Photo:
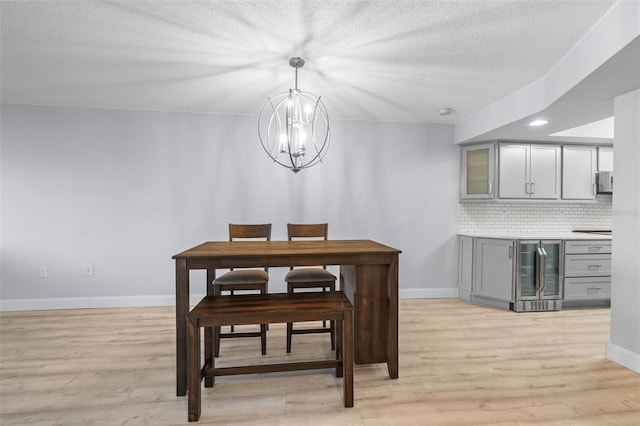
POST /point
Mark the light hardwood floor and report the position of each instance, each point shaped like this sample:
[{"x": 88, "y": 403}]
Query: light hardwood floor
[{"x": 460, "y": 364}]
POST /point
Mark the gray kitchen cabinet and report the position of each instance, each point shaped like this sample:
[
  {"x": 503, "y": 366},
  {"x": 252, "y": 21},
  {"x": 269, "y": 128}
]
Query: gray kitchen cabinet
[
  {"x": 588, "y": 265},
  {"x": 587, "y": 273},
  {"x": 578, "y": 172},
  {"x": 492, "y": 281},
  {"x": 581, "y": 291},
  {"x": 529, "y": 171},
  {"x": 465, "y": 267},
  {"x": 477, "y": 172},
  {"x": 501, "y": 272},
  {"x": 605, "y": 158},
  {"x": 587, "y": 246}
]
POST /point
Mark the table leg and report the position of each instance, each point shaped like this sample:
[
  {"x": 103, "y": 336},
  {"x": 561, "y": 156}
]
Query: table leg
[
  {"x": 392, "y": 355},
  {"x": 373, "y": 291},
  {"x": 209, "y": 337},
  {"x": 182, "y": 309}
]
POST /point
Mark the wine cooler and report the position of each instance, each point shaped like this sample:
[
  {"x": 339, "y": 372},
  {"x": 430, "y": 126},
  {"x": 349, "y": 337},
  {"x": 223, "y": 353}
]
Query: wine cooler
[{"x": 538, "y": 282}]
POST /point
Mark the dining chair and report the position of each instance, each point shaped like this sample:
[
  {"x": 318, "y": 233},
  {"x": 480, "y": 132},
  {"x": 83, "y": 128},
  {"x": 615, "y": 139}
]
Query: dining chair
[
  {"x": 243, "y": 280},
  {"x": 306, "y": 278}
]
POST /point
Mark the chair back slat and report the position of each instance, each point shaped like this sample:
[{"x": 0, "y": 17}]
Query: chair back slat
[
  {"x": 307, "y": 230},
  {"x": 250, "y": 231},
  {"x": 243, "y": 231}
]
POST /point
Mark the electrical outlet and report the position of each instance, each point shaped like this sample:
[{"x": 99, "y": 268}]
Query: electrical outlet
[
  {"x": 43, "y": 272},
  {"x": 88, "y": 270}
]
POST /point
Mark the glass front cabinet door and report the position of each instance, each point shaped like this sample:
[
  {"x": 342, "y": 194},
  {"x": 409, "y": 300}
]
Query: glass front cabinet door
[
  {"x": 553, "y": 269},
  {"x": 539, "y": 270},
  {"x": 478, "y": 172}
]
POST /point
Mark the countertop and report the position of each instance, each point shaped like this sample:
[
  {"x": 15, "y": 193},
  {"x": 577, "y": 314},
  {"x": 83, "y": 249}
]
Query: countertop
[{"x": 537, "y": 235}]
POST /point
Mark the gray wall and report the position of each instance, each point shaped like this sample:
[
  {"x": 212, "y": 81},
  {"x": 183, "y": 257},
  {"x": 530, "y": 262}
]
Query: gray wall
[{"x": 125, "y": 190}]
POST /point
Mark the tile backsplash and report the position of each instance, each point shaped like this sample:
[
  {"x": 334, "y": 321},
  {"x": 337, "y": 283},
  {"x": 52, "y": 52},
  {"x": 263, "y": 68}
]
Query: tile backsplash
[{"x": 534, "y": 217}]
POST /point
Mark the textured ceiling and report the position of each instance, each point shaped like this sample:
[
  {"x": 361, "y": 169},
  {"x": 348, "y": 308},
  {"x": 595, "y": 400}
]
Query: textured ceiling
[{"x": 374, "y": 60}]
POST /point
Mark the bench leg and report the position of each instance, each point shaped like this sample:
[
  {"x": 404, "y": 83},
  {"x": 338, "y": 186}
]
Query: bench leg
[
  {"x": 208, "y": 353},
  {"x": 194, "y": 377},
  {"x": 347, "y": 359}
]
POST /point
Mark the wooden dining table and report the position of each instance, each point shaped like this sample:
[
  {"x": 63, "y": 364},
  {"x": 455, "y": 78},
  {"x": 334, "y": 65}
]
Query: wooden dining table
[{"x": 368, "y": 277}]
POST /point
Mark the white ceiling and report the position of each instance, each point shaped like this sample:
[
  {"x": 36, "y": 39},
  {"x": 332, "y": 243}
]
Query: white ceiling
[{"x": 372, "y": 60}]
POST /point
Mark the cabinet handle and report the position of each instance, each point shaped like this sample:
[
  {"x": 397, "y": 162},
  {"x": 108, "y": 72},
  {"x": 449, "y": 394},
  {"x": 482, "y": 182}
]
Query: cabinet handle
[
  {"x": 594, "y": 266},
  {"x": 533, "y": 188},
  {"x": 526, "y": 188},
  {"x": 510, "y": 252},
  {"x": 594, "y": 248},
  {"x": 490, "y": 188}
]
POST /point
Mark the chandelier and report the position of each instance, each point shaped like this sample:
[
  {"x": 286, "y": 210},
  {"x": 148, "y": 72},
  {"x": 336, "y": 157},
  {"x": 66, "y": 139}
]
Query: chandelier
[{"x": 294, "y": 127}]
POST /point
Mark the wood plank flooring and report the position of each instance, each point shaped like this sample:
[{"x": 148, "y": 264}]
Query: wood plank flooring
[{"x": 460, "y": 364}]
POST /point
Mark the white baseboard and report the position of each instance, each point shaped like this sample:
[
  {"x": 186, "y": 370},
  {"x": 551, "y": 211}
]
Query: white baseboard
[
  {"x": 428, "y": 293},
  {"x": 7, "y": 305},
  {"x": 623, "y": 356},
  {"x": 91, "y": 302}
]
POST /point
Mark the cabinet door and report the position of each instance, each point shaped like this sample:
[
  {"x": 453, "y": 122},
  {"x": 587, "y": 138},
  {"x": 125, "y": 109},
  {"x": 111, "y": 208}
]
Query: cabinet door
[
  {"x": 478, "y": 165},
  {"x": 526, "y": 288},
  {"x": 544, "y": 179},
  {"x": 587, "y": 246},
  {"x": 605, "y": 159},
  {"x": 514, "y": 171},
  {"x": 553, "y": 269},
  {"x": 587, "y": 265},
  {"x": 493, "y": 268},
  {"x": 465, "y": 262},
  {"x": 589, "y": 288},
  {"x": 578, "y": 172}
]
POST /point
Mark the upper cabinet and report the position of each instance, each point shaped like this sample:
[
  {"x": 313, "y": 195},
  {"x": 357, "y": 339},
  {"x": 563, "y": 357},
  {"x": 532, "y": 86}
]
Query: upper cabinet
[
  {"x": 578, "y": 172},
  {"x": 478, "y": 171},
  {"x": 504, "y": 170},
  {"x": 605, "y": 158},
  {"x": 529, "y": 171}
]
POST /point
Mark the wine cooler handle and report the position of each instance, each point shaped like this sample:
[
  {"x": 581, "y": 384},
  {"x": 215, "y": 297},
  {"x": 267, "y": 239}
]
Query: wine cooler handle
[{"x": 541, "y": 273}]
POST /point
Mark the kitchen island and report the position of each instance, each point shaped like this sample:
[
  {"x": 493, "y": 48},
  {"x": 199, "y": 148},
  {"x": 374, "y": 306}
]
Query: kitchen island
[{"x": 535, "y": 271}]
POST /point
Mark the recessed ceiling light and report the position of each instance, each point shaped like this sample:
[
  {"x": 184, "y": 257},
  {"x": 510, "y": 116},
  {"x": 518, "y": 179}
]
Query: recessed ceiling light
[
  {"x": 538, "y": 123},
  {"x": 445, "y": 111}
]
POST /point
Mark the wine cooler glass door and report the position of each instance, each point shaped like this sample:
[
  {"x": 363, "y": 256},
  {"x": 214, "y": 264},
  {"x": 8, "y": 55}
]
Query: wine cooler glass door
[
  {"x": 526, "y": 279},
  {"x": 553, "y": 275}
]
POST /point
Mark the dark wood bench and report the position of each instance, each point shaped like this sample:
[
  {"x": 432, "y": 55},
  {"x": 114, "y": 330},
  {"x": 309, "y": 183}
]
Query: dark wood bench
[{"x": 214, "y": 311}]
